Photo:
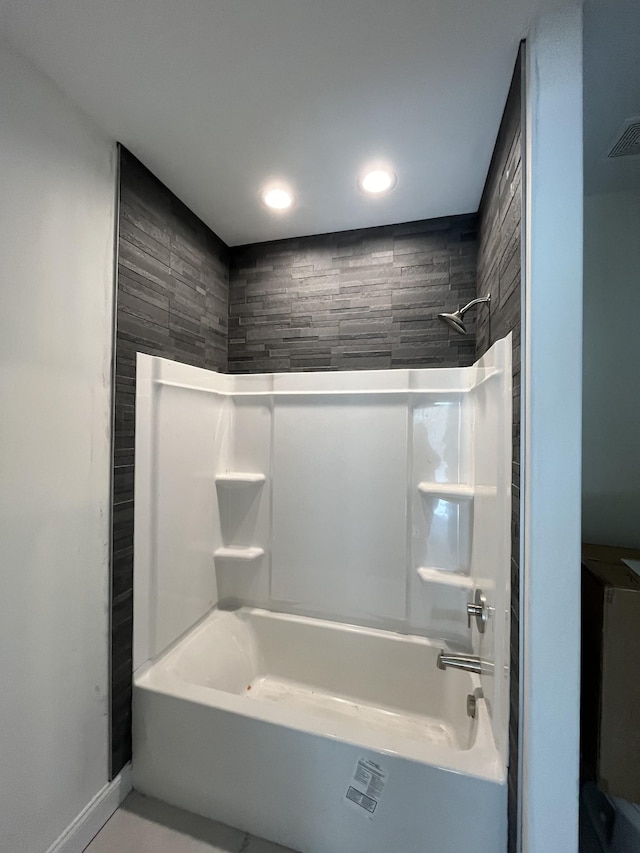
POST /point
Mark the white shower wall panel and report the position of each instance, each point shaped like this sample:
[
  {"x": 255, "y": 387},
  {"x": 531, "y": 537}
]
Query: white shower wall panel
[
  {"x": 440, "y": 527},
  {"x": 250, "y": 448},
  {"x": 339, "y": 506},
  {"x": 374, "y": 497},
  {"x": 182, "y": 438},
  {"x": 440, "y": 449},
  {"x": 185, "y": 535},
  {"x": 245, "y": 510},
  {"x": 490, "y": 401}
]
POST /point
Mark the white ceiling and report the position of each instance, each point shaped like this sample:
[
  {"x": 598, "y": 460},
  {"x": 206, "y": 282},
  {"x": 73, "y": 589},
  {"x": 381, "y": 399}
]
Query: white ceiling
[
  {"x": 611, "y": 91},
  {"x": 217, "y": 96}
]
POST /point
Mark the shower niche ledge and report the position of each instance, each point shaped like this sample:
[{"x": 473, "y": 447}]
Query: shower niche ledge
[
  {"x": 241, "y": 553},
  {"x": 447, "y": 491}
]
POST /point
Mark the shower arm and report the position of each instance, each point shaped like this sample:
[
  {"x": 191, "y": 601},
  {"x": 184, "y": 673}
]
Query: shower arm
[{"x": 473, "y": 302}]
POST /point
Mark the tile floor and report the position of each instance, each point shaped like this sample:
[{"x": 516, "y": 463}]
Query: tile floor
[{"x": 143, "y": 825}]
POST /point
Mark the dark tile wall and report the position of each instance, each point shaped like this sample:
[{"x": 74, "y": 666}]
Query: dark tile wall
[
  {"x": 499, "y": 262},
  {"x": 172, "y": 301},
  {"x": 354, "y": 299}
]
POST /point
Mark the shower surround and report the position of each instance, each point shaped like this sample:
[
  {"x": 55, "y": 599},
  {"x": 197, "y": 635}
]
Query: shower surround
[{"x": 305, "y": 545}]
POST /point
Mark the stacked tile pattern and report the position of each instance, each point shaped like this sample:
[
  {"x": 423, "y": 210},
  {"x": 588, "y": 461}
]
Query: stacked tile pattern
[
  {"x": 351, "y": 300},
  {"x": 172, "y": 301},
  {"x": 499, "y": 273}
]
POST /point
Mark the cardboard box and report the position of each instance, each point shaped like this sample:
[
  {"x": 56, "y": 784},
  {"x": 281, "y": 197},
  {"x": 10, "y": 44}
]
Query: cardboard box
[{"x": 610, "y": 706}]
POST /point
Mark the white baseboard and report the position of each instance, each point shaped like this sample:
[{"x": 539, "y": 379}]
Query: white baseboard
[{"x": 94, "y": 816}]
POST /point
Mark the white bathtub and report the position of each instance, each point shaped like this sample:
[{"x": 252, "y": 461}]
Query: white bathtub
[{"x": 260, "y": 720}]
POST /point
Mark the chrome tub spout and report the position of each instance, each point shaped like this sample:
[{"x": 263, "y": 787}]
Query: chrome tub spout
[{"x": 468, "y": 663}]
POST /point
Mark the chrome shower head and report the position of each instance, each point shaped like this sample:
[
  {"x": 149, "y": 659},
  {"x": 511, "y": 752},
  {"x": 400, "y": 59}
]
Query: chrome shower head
[{"x": 454, "y": 321}]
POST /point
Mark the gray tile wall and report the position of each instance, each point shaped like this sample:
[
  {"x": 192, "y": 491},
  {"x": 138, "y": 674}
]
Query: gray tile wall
[
  {"x": 499, "y": 254},
  {"x": 354, "y": 299},
  {"x": 172, "y": 301}
]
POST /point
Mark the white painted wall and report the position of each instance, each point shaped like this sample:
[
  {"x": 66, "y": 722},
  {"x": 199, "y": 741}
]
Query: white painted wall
[
  {"x": 550, "y": 596},
  {"x": 611, "y": 404},
  {"x": 56, "y": 243}
]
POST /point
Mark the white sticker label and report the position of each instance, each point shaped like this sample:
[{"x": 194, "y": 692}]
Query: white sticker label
[{"x": 365, "y": 787}]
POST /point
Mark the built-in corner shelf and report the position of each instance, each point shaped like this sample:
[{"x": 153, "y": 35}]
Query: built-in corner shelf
[
  {"x": 238, "y": 478},
  {"x": 447, "y": 491},
  {"x": 429, "y": 574},
  {"x": 246, "y": 554}
]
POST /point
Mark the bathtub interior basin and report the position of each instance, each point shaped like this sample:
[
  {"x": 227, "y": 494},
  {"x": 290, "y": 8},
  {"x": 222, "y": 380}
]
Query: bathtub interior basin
[
  {"x": 264, "y": 720},
  {"x": 358, "y": 684}
]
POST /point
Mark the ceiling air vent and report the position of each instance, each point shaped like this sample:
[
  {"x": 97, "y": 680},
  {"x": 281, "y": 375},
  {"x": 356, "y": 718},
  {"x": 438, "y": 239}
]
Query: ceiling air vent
[{"x": 627, "y": 142}]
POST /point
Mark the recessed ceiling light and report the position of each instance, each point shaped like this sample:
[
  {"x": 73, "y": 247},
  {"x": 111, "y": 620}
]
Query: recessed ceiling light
[
  {"x": 377, "y": 181},
  {"x": 277, "y": 198}
]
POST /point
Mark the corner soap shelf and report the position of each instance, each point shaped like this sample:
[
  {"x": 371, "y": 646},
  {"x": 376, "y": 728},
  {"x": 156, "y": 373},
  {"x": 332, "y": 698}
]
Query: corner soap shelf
[
  {"x": 428, "y": 574},
  {"x": 233, "y": 480},
  {"x": 235, "y": 552},
  {"x": 460, "y": 497},
  {"x": 447, "y": 491},
  {"x": 238, "y": 478}
]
